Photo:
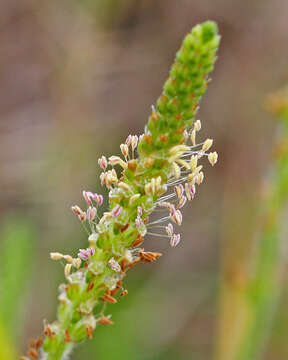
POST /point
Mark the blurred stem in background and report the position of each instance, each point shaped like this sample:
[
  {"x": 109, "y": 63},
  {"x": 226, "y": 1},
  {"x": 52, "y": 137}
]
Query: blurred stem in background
[
  {"x": 250, "y": 292},
  {"x": 16, "y": 257}
]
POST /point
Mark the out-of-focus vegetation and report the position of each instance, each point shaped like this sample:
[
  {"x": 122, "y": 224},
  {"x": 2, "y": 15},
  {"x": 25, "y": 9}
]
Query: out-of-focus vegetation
[
  {"x": 250, "y": 295},
  {"x": 76, "y": 79},
  {"x": 17, "y": 252},
  {"x": 6, "y": 346}
]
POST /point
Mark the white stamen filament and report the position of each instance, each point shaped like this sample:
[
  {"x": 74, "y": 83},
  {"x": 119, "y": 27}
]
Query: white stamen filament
[
  {"x": 159, "y": 220},
  {"x": 166, "y": 197},
  {"x": 176, "y": 182},
  {"x": 159, "y": 235},
  {"x": 188, "y": 153}
]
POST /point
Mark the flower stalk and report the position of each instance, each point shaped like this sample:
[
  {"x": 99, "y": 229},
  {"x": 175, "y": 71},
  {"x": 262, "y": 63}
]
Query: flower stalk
[{"x": 167, "y": 163}]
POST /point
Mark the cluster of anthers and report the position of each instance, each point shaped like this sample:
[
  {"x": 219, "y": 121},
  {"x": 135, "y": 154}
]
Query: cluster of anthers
[
  {"x": 187, "y": 173},
  {"x": 170, "y": 197}
]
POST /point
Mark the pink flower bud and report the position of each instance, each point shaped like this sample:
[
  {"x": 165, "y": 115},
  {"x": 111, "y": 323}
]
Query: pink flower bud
[
  {"x": 82, "y": 217},
  {"x": 179, "y": 190},
  {"x": 117, "y": 210},
  {"x": 76, "y": 209},
  {"x": 98, "y": 199},
  {"x": 175, "y": 239},
  {"x": 91, "y": 251},
  {"x": 128, "y": 140},
  {"x": 134, "y": 142},
  {"x": 85, "y": 254},
  {"x": 87, "y": 196},
  {"x": 124, "y": 149},
  {"x": 172, "y": 209},
  {"x": 176, "y": 216},
  {"x": 169, "y": 229},
  {"x": 140, "y": 226},
  {"x": 103, "y": 162},
  {"x": 190, "y": 191},
  {"x": 103, "y": 178},
  {"x": 113, "y": 264},
  {"x": 82, "y": 254},
  {"x": 181, "y": 202},
  {"x": 91, "y": 213}
]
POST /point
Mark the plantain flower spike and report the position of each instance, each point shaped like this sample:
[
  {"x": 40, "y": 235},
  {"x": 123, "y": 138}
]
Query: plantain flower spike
[{"x": 158, "y": 169}]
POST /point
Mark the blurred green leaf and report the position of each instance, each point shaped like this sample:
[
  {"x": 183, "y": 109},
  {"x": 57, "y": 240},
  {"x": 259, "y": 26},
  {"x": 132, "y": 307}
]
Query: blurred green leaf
[{"x": 16, "y": 258}]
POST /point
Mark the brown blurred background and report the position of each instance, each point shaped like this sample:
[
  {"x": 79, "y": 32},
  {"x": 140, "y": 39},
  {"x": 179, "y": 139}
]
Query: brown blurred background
[{"x": 76, "y": 77}]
